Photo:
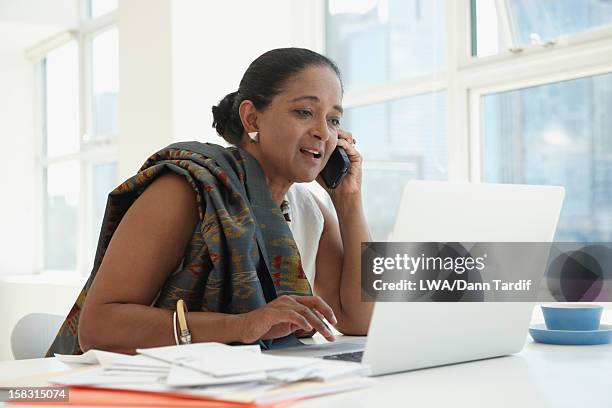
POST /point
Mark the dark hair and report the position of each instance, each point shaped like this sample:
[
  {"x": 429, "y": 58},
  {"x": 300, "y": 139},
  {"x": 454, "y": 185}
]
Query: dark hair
[{"x": 263, "y": 80}]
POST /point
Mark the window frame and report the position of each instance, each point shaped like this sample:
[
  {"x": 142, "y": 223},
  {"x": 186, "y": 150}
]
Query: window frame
[
  {"x": 468, "y": 78},
  {"x": 91, "y": 151}
]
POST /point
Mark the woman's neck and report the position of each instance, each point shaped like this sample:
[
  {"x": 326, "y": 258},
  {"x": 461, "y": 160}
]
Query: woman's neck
[
  {"x": 277, "y": 184},
  {"x": 278, "y": 189}
]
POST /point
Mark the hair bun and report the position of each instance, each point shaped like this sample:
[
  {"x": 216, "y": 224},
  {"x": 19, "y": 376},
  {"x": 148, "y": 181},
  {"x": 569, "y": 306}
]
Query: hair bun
[{"x": 222, "y": 114}]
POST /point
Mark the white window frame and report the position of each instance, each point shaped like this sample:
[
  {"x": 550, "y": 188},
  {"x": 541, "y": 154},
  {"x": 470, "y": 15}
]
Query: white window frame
[
  {"x": 467, "y": 79},
  {"x": 91, "y": 151}
]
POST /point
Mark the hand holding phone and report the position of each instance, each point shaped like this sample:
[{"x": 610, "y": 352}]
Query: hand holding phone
[{"x": 336, "y": 168}]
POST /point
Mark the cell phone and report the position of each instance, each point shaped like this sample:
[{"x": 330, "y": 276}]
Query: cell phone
[{"x": 336, "y": 168}]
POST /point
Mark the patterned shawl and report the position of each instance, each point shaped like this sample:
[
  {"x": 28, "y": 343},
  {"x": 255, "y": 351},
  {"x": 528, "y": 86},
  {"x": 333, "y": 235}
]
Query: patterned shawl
[{"x": 242, "y": 253}]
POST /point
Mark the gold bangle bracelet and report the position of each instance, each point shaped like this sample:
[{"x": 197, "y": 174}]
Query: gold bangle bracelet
[
  {"x": 184, "y": 334},
  {"x": 176, "y": 340}
]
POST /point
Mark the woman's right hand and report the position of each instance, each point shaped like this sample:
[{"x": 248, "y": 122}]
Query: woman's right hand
[{"x": 285, "y": 315}]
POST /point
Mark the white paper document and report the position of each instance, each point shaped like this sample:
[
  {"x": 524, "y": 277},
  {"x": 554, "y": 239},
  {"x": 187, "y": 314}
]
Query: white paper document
[
  {"x": 214, "y": 370},
  {"x": 186, "y": 377},
  {"x": 137, "y": 361},
  {"x": 117, "y": 361},
  {"x": 100, "y": 376},
  {"x": 88, "y": 357},
  {"x": 221, "y": 360}
]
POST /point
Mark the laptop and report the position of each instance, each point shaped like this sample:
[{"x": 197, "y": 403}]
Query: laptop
[{"x": 411, "y": 335}]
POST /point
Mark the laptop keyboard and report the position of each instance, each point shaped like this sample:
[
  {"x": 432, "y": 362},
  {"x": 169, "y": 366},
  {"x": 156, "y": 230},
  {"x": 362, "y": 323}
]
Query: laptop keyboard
[{"x": 355, "y": 356}]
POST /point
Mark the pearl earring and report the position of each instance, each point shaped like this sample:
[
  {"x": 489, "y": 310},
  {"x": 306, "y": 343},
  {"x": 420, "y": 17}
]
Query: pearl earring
[{"x": 254, "y": 136}]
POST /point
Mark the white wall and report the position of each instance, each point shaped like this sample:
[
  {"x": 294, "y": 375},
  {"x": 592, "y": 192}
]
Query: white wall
[
  {"x": 60, "y": 13},
  {"x": 145, "y": 81},
  {"x": 18, "y": 245},
  {"x": 213, "y": 46}
]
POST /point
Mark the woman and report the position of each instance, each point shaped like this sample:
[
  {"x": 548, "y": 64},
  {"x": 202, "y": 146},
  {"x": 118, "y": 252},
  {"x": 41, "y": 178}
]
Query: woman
[{"x": 211, "y": 226}]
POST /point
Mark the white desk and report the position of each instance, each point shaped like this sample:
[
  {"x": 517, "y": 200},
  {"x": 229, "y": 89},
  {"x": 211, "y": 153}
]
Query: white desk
[{"x": 540, "y": 376}]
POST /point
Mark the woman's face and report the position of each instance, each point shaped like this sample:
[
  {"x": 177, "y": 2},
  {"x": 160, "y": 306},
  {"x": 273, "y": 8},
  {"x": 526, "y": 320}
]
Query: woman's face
[{"x": 299, "y": 129}]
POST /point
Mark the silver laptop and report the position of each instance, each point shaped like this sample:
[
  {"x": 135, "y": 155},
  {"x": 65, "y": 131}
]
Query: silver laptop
[{"x": 410, "y": 335}]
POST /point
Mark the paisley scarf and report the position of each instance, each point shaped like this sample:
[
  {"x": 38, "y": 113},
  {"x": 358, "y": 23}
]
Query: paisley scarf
[{"x": 242, "y": 253}]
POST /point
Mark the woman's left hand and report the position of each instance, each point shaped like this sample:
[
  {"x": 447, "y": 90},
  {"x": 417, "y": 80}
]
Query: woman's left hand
[{"x": 351, "y": 183}]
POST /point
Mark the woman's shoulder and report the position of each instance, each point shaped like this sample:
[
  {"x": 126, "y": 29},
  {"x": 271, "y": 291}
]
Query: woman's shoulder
[{"x": 225, "y": 156}]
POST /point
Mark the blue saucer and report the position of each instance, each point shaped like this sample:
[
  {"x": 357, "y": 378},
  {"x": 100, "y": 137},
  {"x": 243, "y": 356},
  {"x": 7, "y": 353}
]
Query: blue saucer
[{"x": 541, "y": 334}]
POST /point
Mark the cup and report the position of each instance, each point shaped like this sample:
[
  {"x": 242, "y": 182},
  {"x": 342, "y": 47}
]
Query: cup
[{"x": 577, "y": 317}]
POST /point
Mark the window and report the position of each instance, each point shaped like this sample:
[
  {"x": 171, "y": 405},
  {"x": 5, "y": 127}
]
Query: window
[
  {"x": 501, "y": 25},
  {"x": 549, "y": 127},
  {"x": 402, "y": 133},
  {"x": 375, "y": 42},
  {"x": 61, "y": 138},
  {"x": 104, "y": 84},
  {"x": 97, "y": 8},
  {"x": 78, "y": 95},
  {"x": 62, "y": 181},
  {"x": 557, "y": 134},
  {"x": 61, "y": 81},
  {"x": 509, "y": 91},
  {"x": 400, "y": 140}
]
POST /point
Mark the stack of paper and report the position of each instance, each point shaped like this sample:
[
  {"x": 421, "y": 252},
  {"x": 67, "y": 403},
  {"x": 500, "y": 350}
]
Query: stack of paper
[{"x": 215, "y": 371}]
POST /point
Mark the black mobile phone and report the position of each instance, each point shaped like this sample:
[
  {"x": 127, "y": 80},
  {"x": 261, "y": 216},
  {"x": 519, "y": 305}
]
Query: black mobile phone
[{"x": 336, "y": 168}]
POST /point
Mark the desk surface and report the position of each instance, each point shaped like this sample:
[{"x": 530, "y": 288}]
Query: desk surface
[{"x": 539, "y": 376}]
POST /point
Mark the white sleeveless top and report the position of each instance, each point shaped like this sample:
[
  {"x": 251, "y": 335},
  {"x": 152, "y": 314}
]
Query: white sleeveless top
[{"x": 306, "y": 225}]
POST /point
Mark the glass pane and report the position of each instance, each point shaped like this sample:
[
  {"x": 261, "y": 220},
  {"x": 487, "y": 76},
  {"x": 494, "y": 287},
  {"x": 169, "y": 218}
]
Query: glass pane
[
  {"x": 374, "y": 42},
  {"x": 548, "y": 19},
  {"x": 61, "y": 100},
  {"x": 399, "y": 140},
  {"x": 98, "y": 8},
  {"x": 105, "y": 83},
  {"x": 409, "y": 130},
  {"x": 557, "y": 134},
  {"x": 533, "y": 22},
  {"x": 487, "y": 38},
  {"x": 104, "y": 178},
  {"x": 62, "y": 200}
]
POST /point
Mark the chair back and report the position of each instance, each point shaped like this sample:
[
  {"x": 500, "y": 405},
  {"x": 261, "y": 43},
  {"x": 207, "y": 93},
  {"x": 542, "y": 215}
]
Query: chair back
[{"x": 33, "y": 334}]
